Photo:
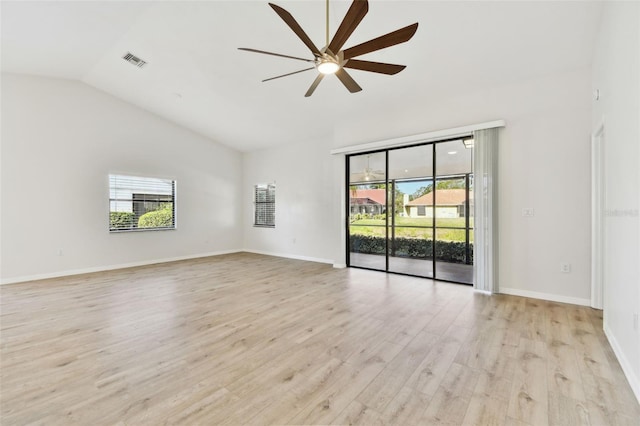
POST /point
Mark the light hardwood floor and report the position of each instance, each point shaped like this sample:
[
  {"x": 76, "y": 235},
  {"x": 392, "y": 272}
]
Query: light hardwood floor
[{"x": 250, "y": 339}]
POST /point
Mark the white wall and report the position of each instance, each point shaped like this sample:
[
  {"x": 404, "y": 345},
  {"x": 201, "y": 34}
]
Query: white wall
[
  {"x": 544, "y": 164},
  {"x": 60, "y": 140},
  {"x": 307, "y": 201},
  {"x": 616, "y": 73}
]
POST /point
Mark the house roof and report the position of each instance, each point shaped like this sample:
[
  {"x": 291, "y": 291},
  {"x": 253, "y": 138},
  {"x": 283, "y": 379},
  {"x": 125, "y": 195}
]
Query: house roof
[
  {"x": 377, "y": 195},
  {"x": 444, "y": 197}
]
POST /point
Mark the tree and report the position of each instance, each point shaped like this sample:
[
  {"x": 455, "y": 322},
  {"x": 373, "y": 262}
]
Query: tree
[
  {"x": 451, "y": 184},
  {"x": 421, "y": 191},
  {"x": 399, "y": 201},
  {"x": 399, "y": 206}
]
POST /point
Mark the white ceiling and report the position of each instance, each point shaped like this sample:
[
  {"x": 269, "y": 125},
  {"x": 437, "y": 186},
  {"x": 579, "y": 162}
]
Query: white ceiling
[
  {"x": 196, "y": 77},
  {"x": 452, "y": 158}
]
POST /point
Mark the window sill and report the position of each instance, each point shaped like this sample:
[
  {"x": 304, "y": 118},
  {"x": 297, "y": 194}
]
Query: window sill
[
  {"x": 263, "y": 226},
  {"x": 122, "y": 231}
]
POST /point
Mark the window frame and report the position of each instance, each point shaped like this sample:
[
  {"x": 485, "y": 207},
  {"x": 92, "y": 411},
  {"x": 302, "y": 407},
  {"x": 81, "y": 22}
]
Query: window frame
[
  {"x": 132, "y": 199},
  {"x": 270, "y": 189}
]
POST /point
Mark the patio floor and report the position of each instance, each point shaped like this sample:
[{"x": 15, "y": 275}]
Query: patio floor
[{"x": 420, "y": 267}]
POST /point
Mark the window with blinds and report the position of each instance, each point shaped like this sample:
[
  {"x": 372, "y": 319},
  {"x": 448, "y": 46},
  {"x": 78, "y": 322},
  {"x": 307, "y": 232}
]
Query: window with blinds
[
  {"x": 265, "y": 206},
  {"x": 141, "y": 203}
]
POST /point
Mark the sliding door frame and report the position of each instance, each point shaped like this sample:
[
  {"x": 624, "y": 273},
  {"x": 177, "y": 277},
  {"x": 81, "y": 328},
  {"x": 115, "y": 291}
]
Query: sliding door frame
[{"x": 433, "y": 207}]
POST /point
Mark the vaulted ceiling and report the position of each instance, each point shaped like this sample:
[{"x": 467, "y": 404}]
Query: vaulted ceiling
[{"x": 197, "y": 78}]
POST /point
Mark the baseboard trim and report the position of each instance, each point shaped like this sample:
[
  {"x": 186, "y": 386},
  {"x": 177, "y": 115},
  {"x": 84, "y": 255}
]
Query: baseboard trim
[
  {"x": 633, "y": 380},
  {"x": 339, "y": 265},
  {"x": 71, "y": 272},
  {"x": 290, "y": 256},
  {"x": 546, "y": 296}
]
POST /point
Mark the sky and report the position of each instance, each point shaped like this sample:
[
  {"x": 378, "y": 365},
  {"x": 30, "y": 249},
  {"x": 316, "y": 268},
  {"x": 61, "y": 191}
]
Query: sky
[{"x": 411, "y": 187}]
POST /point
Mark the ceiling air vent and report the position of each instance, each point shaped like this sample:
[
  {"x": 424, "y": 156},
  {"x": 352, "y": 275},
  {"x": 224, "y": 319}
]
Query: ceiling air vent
[{"x": 133, "y": 59}]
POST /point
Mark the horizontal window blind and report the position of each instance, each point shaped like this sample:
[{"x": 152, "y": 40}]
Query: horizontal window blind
[
  {"x": 265, "y": 205},
  {"x": 141, "y": 203}
]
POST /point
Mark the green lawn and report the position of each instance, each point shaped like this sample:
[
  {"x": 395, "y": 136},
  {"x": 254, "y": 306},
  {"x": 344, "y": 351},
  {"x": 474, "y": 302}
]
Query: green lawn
[
  {"x": 457, "y": 222},
  {"x": 409, "y": 227}
]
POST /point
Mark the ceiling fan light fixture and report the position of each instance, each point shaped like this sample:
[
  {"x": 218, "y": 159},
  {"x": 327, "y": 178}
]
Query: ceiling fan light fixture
[
  {"x": 328, "y": 66},
  {"x": 333, "y": 59}
]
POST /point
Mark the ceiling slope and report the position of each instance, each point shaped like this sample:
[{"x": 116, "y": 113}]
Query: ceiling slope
[{"x": 197, "y": 78}]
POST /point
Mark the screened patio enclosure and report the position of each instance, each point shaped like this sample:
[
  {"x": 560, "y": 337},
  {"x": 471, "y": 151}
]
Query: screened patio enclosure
[{"x": 410, "y": 210}]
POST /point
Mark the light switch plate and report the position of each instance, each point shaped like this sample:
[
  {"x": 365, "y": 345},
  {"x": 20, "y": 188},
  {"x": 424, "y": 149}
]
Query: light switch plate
[{"x": 528, "y": 212}]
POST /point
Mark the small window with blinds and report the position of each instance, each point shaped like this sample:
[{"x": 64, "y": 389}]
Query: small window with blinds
[
  {"x": 141, "y": 203},
  {"x": 265, "y": 206}
]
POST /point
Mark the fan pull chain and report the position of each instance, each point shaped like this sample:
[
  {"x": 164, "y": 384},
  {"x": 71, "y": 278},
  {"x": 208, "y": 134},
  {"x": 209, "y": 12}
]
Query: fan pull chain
[{"x": 327, "y": 44}]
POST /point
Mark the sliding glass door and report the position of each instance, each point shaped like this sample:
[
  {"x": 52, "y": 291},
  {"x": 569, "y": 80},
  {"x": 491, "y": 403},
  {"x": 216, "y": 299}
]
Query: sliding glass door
[
  {"x": 453, "y": 212},
  {"x": 411, "y": 227},
  {"x": 368, "y": 211},
  {"x": 410, "y": 211}
]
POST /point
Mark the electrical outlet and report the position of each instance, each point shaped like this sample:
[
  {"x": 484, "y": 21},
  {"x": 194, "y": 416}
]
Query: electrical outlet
[
  {"x": 528, "y": 212},
  {"x": 636, "y": 321},
  {"x": 565, "y": 268},
  {"x": 59, "y": 252}
]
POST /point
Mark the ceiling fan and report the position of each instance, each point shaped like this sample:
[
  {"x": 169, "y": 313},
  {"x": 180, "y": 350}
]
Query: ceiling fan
[
  {"x": 332, "y": 59},
  {"x": 369, "y": 174}
]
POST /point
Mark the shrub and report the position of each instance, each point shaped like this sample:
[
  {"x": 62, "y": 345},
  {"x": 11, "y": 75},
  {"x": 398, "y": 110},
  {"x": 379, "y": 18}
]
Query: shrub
[
  {"x": 354, "y": 217},
  {"x": 162, "y": 218},
  {"x": 416, "y": 248},
  {"x": 120, "y": 220},
  {"x": 358, "y": 216}
]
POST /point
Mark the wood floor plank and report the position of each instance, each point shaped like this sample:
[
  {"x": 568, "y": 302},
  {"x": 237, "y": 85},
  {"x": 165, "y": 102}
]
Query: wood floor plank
[
  {"x": 406, "y": 408},
  {"x": 429, "y": 374},
  {"x": 451, "y": 400},
  {"x": 396, "y": 373},
  {"x": 529, "y": 394},
  {"x": 445, "y": 408},
  {"x": 484, "y": 410},
  {"x": 358, "y": 414},
  {"x": 303, "y": 393},
  {"x": 611, "y": 396},
  {"x": 332, "y": 401},
  {"x": 252, "y": 339},
  {"x": 563, "y": 373},
  {"x": 564, "y": 410},
  {"x": 495, "y": 385}
]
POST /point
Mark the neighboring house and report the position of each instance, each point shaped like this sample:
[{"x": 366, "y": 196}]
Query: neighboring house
[
  {"x": 369, "y": 201},
  {"x": 450, "y": 203}
]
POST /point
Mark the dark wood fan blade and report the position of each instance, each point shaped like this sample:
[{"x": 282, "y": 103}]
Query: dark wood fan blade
[
  {"x": 352, "y": 19},
  {"x": 314, "y": 85},
  {"x": 382, "y": 42},
  {"x": 291, "y": 73},
  {"x": 379, "y": 67},
  {"x": 291, "y": 22},
  {"x": 246, "y": 49},
  {"x": 348, "y": 82}
]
